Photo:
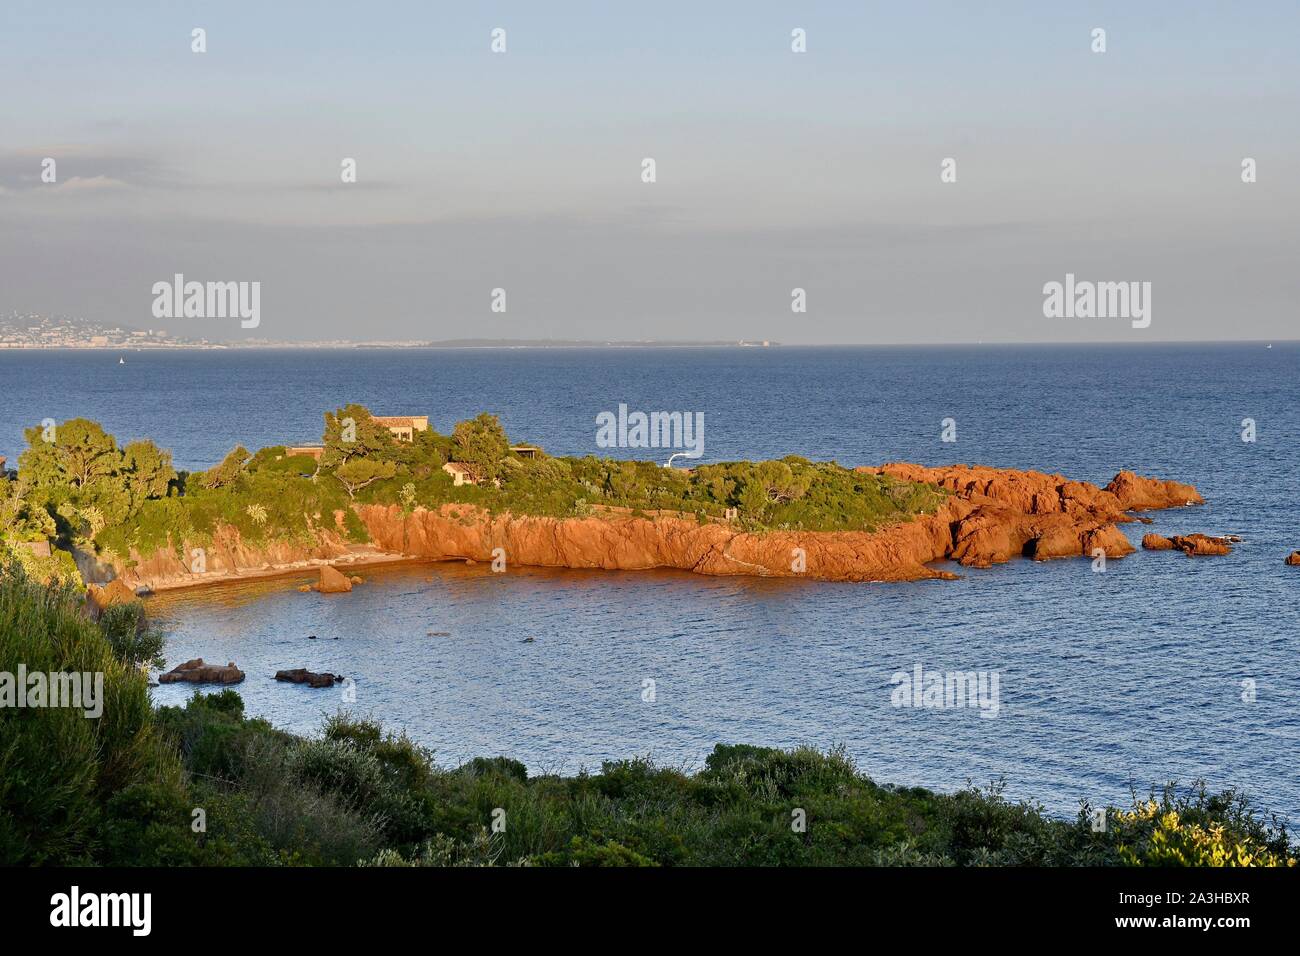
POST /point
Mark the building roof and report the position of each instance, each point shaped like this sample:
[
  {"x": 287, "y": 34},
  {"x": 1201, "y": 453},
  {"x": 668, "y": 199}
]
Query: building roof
[{"x": 401, "y": 421}]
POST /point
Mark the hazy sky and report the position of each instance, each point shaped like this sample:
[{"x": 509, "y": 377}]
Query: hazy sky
[{"x": 775, "y": 170}]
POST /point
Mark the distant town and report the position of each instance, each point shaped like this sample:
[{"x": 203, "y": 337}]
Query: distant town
[
  {"x": 35, "y": 331},
  {"x": 32, "y": 330}
]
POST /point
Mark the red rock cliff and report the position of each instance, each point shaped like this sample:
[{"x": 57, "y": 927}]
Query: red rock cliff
[{"x": 991, "y": 516}]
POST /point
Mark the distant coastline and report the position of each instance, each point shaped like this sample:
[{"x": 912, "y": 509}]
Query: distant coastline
[
  {"x": 451, "y": 344},
  {"x": 33, "y": 331}
]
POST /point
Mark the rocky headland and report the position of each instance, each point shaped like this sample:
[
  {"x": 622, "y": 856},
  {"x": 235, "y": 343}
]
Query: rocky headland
[{"x": 988, "y": 516}]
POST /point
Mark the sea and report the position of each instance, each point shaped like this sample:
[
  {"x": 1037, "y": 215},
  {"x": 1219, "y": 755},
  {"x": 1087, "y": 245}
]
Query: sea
[{"x": 1159, "y": 668}]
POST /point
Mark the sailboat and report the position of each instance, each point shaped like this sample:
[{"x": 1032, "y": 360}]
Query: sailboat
[{"x": 120, "y": 360}]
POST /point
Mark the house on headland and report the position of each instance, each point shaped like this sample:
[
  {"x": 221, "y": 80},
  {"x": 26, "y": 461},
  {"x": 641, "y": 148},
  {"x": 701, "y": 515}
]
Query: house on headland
[
  {"x": 526, "y": 451},
  {"x": 314, "y": 451},
  {"x": 461, "y": 473},
  {"x": 404, "y": 427}
]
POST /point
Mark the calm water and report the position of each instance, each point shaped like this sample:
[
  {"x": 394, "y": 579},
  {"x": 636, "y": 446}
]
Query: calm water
[{"x": 1108, "y": 681}]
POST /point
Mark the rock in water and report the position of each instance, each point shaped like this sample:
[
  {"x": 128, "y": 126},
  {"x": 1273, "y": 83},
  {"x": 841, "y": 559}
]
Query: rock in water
[
  {"x": 300, "y": 675},
  {"x": 1192, "y": 545},
  {"x": 1136, "y": 493},
  {"x": 197, "y": 672},
  {"x": 332, "y": 581},
  {"x": 1293, "y": 558},
  {"x": 1198, "y": 545},
  {"x": 1157, "y": 542}
]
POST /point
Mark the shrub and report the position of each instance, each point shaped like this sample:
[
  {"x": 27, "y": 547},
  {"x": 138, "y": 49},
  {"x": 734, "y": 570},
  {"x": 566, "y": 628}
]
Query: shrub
[
  {"x": 58, "y": 768},
  {"x": 133, "y": 641}
]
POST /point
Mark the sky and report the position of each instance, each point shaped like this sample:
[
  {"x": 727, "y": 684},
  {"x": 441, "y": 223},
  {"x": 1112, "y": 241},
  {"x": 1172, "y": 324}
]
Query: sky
[{"x": 774, "y": 170}]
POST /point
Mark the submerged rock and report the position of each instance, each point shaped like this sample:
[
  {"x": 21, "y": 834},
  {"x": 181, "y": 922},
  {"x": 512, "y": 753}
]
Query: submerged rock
[{"x": 198, "y": 672}]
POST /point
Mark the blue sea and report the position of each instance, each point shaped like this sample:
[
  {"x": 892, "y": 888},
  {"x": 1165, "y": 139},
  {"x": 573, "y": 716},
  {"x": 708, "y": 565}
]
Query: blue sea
[{"x": 1110, "y": 683}]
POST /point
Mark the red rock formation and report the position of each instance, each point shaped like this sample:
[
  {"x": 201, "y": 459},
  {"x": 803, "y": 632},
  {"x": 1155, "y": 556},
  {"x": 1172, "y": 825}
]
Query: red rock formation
[
  {"x": 227, "y": 555},
  {"x": 197, "y": 672},
  {"x": 1200, "y": 544},
  {"x": 1293, "y": 558},
  {"x": 991, "y": 516},
  {"x": 1192, "y": 545},
  {"x": 114, "y": 592},
  {"x": 1136, "y": 493},
  {"x": 332, "y": 581}
]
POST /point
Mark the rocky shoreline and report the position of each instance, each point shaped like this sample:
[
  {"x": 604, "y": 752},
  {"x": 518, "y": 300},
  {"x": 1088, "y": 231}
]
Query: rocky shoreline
[{"x": 990, "y": 516}]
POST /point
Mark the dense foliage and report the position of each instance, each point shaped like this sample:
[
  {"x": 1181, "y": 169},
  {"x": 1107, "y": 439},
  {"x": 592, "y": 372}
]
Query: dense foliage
[
  {"x": 75, "y": 789},
  {"x": 77, "y": 487},
  {"x": 204, "y": 784}
]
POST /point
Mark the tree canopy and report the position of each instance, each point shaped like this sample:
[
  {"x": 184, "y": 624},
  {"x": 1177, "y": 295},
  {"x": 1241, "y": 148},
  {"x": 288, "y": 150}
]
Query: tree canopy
[
  {"x": 352, "y": 432},
  {"x": 481, "y": 442},
  {"x": 75, "y": 472}
]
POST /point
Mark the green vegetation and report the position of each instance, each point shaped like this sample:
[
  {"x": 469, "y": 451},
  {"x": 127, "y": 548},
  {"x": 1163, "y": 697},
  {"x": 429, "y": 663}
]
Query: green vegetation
[
  {"x": 77, "y": 487},
  {"x": 75, "y": 789},
  {"x": 206, "y": 785}
]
